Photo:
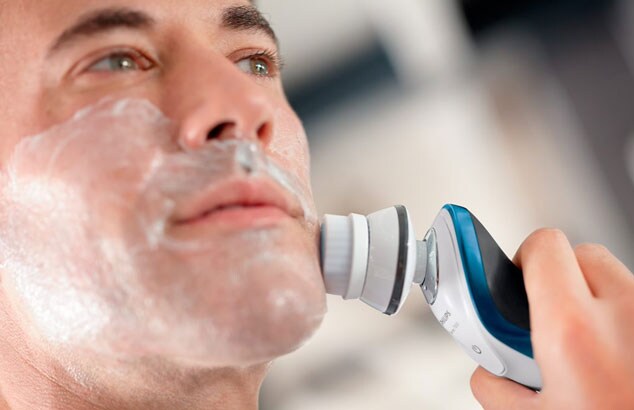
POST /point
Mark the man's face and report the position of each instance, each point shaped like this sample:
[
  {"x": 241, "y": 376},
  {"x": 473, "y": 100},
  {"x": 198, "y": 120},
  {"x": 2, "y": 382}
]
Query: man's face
[{"x": 155, "y": 185}]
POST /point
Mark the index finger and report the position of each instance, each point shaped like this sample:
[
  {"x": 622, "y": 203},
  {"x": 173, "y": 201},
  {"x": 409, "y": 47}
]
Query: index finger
[
  {"x": 553, "y": 279},
  {"x": 607, "y": 277}
]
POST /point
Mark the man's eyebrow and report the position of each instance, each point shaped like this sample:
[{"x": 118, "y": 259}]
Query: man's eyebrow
[
  {"x": 101, "y": 21},
  {"x": 247, "y": 18}
]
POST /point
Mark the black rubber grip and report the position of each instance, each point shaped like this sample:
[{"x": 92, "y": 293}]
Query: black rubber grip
[{"x": 505, "y": 280}]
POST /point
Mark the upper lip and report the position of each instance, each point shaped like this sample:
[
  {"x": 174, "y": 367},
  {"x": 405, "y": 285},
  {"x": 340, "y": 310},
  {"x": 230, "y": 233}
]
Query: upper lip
[{"x": 237, "y": 192}]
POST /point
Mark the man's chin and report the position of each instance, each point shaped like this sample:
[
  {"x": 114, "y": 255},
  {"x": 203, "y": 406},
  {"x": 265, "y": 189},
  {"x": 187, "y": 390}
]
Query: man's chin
[
  {"x": 227, "y": 318},
  {"x": 250, "y": 350},
  {"x": 269, "y": 325},
  {"x": 205, "y": 344}
]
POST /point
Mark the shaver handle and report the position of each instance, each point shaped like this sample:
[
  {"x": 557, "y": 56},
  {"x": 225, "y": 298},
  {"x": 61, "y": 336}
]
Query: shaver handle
[{"x": 492, "y": 319}]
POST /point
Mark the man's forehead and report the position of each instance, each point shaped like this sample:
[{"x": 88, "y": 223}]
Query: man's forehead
[
  {"x": 53, "y": 14},
  {"x": 233, "y": 16}
]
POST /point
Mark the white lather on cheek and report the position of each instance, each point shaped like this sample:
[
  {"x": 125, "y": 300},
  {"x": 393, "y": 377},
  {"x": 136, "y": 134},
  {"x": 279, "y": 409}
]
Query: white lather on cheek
[{"x": 87, "y": 204}]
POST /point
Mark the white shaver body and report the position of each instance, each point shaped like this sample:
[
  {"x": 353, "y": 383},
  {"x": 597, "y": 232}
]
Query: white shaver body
[
  {"x": 473, "y": 290},
  {"x": 455, "y": 309}
]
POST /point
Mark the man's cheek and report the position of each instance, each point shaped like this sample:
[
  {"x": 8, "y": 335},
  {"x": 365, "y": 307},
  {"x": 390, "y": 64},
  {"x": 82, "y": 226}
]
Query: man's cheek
[
  {"x": 66, "y": 200},
  {"x": 83, "y": 236},
  {"x": 289, "y": 145}
]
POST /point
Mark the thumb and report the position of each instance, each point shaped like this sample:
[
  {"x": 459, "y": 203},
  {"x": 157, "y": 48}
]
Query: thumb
[{"x": 498, "y": 393}]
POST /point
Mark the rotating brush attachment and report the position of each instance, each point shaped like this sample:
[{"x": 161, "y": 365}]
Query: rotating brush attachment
[{"x": 370, "y": 258}]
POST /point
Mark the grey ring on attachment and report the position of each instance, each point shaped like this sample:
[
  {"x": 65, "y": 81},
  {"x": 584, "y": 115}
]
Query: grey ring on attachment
[{"x": 430, "y": 253}]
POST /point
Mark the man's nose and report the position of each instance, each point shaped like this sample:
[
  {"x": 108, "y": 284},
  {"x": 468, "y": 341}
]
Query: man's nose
[{"x": 211, "y": 99}]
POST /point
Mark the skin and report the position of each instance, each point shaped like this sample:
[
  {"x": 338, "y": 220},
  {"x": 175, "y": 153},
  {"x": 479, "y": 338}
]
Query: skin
[
  {"x": 581, "y": 313},
  {"x": 199, "y": 75},
  {"x": 577, "y": 320}
]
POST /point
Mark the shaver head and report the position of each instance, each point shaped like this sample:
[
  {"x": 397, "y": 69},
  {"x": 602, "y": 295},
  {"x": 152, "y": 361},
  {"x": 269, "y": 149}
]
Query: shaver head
[{"x": 371, "y": 258}]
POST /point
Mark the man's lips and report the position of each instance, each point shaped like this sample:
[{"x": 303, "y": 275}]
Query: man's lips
[{"x": 239, "y": 200}]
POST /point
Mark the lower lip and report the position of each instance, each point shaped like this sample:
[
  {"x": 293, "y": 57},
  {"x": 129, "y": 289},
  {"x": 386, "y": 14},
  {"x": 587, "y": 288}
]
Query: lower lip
[{"x": 240, "y": 218}]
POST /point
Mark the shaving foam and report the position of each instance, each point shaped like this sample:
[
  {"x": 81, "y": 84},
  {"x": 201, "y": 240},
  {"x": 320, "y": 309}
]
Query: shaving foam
[{"x": 91, "y": 261}]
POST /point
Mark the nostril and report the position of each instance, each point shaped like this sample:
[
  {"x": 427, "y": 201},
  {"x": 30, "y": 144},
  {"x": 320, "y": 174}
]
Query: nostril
[
  {"x": 217, "y": 131},
  {"x": 264, "y": 132}
]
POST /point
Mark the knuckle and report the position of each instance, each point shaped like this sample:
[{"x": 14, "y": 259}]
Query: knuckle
[
  {"x": 590, "y": 249},
  {"x": 549, "y": 235},
  {"x": 574, "y": 333},
  {"x": 544, "y": 238}
]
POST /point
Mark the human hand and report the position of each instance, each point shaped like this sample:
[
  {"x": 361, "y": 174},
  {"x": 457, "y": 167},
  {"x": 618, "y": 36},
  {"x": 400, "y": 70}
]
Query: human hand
[{"x": 582, "y": 329}]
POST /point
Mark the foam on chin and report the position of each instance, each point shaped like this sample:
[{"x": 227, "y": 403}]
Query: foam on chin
[{"x": 89, "y": 265}]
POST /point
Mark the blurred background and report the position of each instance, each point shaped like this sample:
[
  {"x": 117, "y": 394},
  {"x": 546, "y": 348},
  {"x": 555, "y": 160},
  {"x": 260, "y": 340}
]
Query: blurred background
[{"x": 521, "y": 111}]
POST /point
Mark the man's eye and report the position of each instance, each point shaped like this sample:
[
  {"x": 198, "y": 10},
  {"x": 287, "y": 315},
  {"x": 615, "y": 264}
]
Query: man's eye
[
  {"x": 123, "y": 61},
  {"x": 258, "y": 65}
]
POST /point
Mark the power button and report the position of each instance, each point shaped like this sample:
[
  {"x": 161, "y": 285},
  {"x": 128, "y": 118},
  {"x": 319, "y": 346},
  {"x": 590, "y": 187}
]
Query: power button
[{"x": 485, "y": 357}]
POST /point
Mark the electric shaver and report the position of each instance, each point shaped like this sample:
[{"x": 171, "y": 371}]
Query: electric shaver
[{"x": 475, "y": 292}]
